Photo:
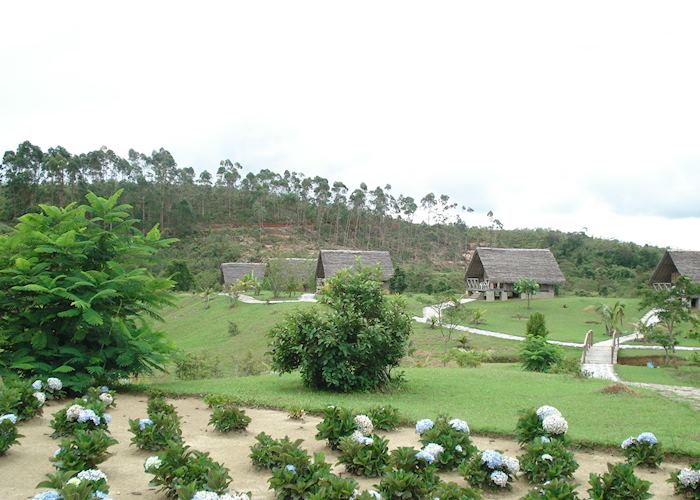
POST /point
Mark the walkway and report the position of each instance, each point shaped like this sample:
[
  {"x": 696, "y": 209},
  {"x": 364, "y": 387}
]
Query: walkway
[
  {"x": 304, "y": 297},
  {"x": 677, "y": 392}
]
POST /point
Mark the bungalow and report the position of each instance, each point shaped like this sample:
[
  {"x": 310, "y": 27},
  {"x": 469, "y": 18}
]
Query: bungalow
[
  {"x": 674, "y": 264},
  {"x": 331, "y": 261},
  {"x": 492, "y": 272},
  {"x": 232, "y": 272}
]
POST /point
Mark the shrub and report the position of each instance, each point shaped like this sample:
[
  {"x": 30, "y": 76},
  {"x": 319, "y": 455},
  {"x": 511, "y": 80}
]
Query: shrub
[
  {"x": 419, "y": 463},
  {"x": 536, "y": 325},
  {"x": 102, "y": 395},
  {"x": 643, "y": 450},
  {"x": 547, "y": 461},
  {"x": 556, "y": 489},
  {"x": 52, "y": 387},
  {"x": 18, "y": 397},
  {"x": 156, "y": 432},
  {"x": 686, "y": 481},
  {"x": 269, "y": 453},
  {"x": 531, "y": 425},
  {"x": 179, "y": 468},
  {"x": 538, "y": 355},
  {"x": 297, "y": 481},
  {"x": 85, "y": 485},
  {"x": 248, "y": 365},
  {"x": 82, "y": 414},
  {"x": 490, "y": 470},
  {"x": 333, "y": 487},
  {"x": 567, "y": 366},
  {"x": 229, "y": 418},
  {"x": 77, "y": 275},
  {"x": 619, "y": 483},
  {"x": 157, "y": 404},
  {"x": 233, "y": 329},
  {"x": 453, "y": 491},
  {"x": 8, "y": 432},
  {"x": 296, "y": 413},
  {"x": 337, "y": 423},
  {"x": 196, "y": 366},
  {"x": 362, "y": 455},
  {"x": 214, "y": 400},
  {"x": 467, "y": 358},
  {"x": 405, "y": 485},
  {"x": 354, "y": 346},
  {"x": 384, "y": 417},
  {"x": 83, "y": 450},
  {"x": 453, "y": 436}
]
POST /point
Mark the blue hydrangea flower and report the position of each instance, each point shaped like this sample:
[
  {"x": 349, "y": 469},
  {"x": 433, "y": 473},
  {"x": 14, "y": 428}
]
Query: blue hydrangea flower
[
  {"x": 107, "y": 417},
  {"x": 57, "y": 452},
  {"x": 647, "y": 437},
  {"x": 424, "y": 425},
  {"x": 545, "y": 440},
  {"x": 104, "y": 389},
  {"x": 88, "y": 415},
  {"x": 491, "y": 458},
  {"x": 47, "y": 495},
  {"x": 9, "y": 416},
  {"x": 499, "y": 478},
  {"x": 459, "y": 425},
  {"x": 37, "y": 385},
  {"x": 424, "y": 455},
  {"x": 143, "y": 422},
  {"x": 290, "y": 468},
  {"x": 101, "y": 495}
]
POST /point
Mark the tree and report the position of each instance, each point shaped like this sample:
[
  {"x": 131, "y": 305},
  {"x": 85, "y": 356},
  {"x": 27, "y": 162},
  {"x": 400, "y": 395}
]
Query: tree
[
  {"x": 536, "y": 325},
  {"x": 181, "y": 276},
  {"x": 398, "y": 283},
  {"x": 526, "y": 286},
  {"x": 355, "y": 345},
  {"x": 673, "y": 308},
  {"x": 611, "y": 316},
  {"x": 75, "y": 299}
]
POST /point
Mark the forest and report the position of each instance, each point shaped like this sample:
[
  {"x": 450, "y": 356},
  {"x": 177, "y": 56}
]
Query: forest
[{"x": 227, "y": 213}]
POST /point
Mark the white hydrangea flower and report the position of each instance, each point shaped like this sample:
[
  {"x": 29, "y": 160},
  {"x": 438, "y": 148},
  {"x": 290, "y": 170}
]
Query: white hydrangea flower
[
  {"x": 690, "y": 478},
  {"x": 375, "y": 494},
  {"x": 547, "y": 457},
  {"x": 91, "y": 475},
  {"x": 54, "y": 383},
  {"x": 73, "y": 412},
  {"x": 36, "y": 385},
  {"x": 153, "y": 462},
  {"x": 627, "y": 443},
  {"x": 434, "y": 449},
  {"x": 555, "y": 424},
  {"x": 364, "y": 424},
  {"x": 234, "y": 496},
  {"x": 205, "y": 495},
  {"x": 106, "y": 398},
  {"x": 424, "y": 425},
  {"x": 459, "y": 425},
  {"x": 499, "y": 478},
  {"x": 74, "y": 481},
  {"x": 512, "y": 464},
  {"x": 459, "y": 448},
  {"x": 9, "y": 416},
  {"x": 41, "y": 397},
  {"x": 545, "y": 411}
]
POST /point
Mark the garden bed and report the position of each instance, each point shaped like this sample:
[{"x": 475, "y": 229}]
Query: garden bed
[{"x": 27, "y": 464}]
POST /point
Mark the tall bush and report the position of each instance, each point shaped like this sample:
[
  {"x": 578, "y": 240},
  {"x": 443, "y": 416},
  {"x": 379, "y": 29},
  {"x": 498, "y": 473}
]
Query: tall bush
[
  {"x": 74, "y": 295},
  {"x": 354, "y": 346}
]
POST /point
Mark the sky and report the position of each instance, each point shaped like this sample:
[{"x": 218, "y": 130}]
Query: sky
[{"x": 580, "y": 116}]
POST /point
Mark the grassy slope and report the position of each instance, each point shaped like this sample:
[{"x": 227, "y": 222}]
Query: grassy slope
[
  {"x": 669, "y": 375},
  {"x": 489, "y": 398}
]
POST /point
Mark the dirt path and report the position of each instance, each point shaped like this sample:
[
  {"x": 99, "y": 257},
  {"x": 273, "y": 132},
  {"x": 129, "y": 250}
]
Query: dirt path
[{"x": 25, "y": 465}]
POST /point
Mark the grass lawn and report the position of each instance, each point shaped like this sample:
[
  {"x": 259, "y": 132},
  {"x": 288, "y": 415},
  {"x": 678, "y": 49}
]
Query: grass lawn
[
  {"x": 489, "y": 398},
  {"x": 268, "y": 295},
  {"x": 669, "y": 375}
]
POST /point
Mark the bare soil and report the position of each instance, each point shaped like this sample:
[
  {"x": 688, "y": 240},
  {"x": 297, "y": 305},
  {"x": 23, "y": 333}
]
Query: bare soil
[{"x": 28, "y": 463}]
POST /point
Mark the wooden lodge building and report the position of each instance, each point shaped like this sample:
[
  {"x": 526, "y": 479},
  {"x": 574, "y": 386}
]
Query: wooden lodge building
[
  {"x": 231, "y": 273},
  {"x": 492, "y": 272},
  {"x": 673, "y": 265},
  {"x": 331, "y": 261}
]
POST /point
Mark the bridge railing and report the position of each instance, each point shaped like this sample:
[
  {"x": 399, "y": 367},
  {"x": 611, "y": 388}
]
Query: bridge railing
[
  {"x": 614, "y": 347},
  {"x": 587, "y": 343}
]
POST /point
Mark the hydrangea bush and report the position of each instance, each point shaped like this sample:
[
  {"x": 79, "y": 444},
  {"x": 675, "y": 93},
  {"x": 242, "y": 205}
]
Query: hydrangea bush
[
  {"x": 268, "y": 453},
  {"x": 227, "y": 418},
  {"x": 384, "y": 417},
  {"x": 619, "y": 482},
  {"x": 363, "y": 455},
  {"x": 82, "y": 414},
  {"x": 412, "y": 474},
  {"x": 87, "y": 484},
  {"x": 83, "y": 450},
  {"x": 490, "y": 469},
  {"x": 556, "y": 489},
  {"x": 19, "y": 398},
  {"x": 52, "y": 388},
  {"x": 8, "y": 432},
  {"x": 452, "y": 435},
  {"x": 686, "y": 481},
  {"x": 156, "y": 432},
  {"x": 337, "y": 423},
  {"x": 545, "y": 421},
  {"x": 645, "y": 450},
  {"x": 336, "y": 488},
  {"x": 299, "y": 480},
  {"x": 453, "y": 491},
  {"x": 546, "y": 460}
]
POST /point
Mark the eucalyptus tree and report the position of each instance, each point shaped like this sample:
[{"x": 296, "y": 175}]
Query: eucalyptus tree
[
  {"x": 340, "y": 200},
  {"x": 358, "y": 198},
  {"x": 22, "y": 171}
]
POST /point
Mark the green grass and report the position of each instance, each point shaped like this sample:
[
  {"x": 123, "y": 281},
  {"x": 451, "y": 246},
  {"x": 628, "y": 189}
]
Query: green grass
[
  {"x": 489, "y": 398},
  {"x": 268, "y": 295},
  {"x": 668, "y": 375}
]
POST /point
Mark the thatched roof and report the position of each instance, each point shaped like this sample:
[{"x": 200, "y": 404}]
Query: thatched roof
[
  {"x": 683, "y": 262},
  {"x": 232, "y": 272},
  {"x": 331, "y": 261},
  {"x": 301, "y": 269},
  {"x": 508, "y": 265}
]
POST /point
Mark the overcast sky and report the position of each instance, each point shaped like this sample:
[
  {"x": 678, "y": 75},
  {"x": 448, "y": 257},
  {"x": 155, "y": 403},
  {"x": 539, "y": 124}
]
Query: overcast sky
[{"x": 557, "y": 114}]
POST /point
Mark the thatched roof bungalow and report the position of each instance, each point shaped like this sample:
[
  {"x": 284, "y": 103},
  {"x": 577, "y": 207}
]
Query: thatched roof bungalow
[
  {"x": 492, "y": 272},
  {"x": 674, "y": 264},
  {"x": 331, "y": 261},
  {"x": 232, "y": 272}
]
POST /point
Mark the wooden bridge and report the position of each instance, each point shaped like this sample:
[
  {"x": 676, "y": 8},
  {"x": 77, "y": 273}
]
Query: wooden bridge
[{"x": 598, "y": 359}]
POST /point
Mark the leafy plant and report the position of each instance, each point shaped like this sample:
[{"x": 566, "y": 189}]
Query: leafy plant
[
  {"x": 557, "y": 489},
  {"x": 227, "y": 418},
  {"x": 686, "y": 481},
  {"x": 354, "y": 346},
  {"x": 190, "y": 366},
  {"x": 467, "y": 358},
  {"x": 233, "y": 329},
  {"x": 8, "y": 432},
  {"x": 214, "y": 400},
  {"x": 296, "y": 413},
  {"x": 526, "y": 286},
  {"x": 297, "y": 481},
  {"x": 81, "y": 414},
  {"x": 269, "y": 453},
  {"x": 401, "y": 484},
  {"x": 183, "y": 469},
  {"x": 453, "y": 491},
  {"x": 337, "y": 423},
  {"x": 643, "y": 450},
  {"x": 538, "y": 355},
  {"x": 85, "y": 485},
  {"x": 453, "y": 436},
  {"x": 333, "y": 487},
  {"x": 384, "y": 417},
  {"x": 156, "y": 432},
  {"x": 74, "y": 294},
  {"x": 536, "y": 325},
  {"x": 364, "y": 456},
  {"x": 490, "y": 470},
  {"x": 406, "y": 459},
  {"x": 17, "y": 397},
  {"x": 530, "y": 426},
  {"x": 83, "y": 450},
  {"x": 619, "y": 483},
  {"x": 547, "y": 461}
]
